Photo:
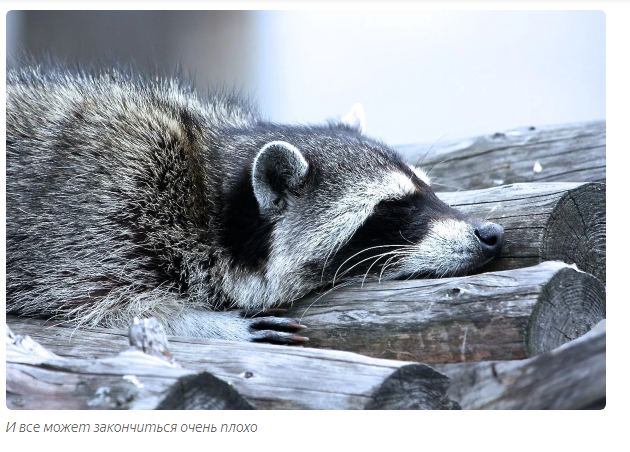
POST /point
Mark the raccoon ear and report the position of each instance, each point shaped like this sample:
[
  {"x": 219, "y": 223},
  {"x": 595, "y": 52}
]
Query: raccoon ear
[
  {"x": 355, "y": 118},
  {"x": 278, "y": 168}
]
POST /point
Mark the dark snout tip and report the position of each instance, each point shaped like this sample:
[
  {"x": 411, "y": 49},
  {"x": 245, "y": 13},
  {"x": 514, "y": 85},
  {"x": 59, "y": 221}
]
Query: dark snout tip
[{"x": 490, "y": 236}]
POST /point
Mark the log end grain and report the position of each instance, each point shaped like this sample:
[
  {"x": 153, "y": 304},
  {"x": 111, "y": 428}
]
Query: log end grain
[
  {"x": 202, "y": 391},
  {"x": 576, "y": 230},
  {"x": 568, "y": 306},
  {"x": 413, "y": 387}
]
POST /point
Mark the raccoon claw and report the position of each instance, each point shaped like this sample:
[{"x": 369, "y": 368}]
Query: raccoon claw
[
  {"x": 274, "y": 311},
  {"x": 277, "y": 337},
  {"x": 273, "y": 329},
  {"x": 276, "y": 322}
]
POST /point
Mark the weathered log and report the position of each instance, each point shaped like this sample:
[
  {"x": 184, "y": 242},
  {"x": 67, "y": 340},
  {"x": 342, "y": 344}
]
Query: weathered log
[
  {"x": 137, "y": 378},
  {"x": 202, "y": 391},
  {"x": 266, "y": 376},
  {"x": 554, "y": 221},
  {"x": 572, "y": 376},
  {"x": 563, "y": 153},
  {"x": 492, "y": 316}
]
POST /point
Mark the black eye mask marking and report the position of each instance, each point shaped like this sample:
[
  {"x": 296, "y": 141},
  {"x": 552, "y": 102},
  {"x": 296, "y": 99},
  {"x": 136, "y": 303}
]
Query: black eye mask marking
[{"x": 392, "y": 225}]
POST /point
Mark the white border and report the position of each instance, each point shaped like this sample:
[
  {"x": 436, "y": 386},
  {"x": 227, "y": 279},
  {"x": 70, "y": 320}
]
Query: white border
[{"x": 557, "y": 430}]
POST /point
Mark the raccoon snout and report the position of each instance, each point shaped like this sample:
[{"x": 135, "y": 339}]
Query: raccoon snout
[{"x": 490, "y": 236}]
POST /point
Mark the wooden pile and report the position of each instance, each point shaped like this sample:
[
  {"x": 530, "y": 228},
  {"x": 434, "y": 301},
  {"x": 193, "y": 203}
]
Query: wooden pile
[{"x": 527, "y": 331}]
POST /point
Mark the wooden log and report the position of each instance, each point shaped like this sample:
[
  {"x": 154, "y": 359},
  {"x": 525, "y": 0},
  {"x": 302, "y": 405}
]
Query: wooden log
[
  {"x": 573, "y": 376},
  {"x": 137, "y": 378},
  {"x": 266, "y": 376},
  {"x": 504, "y": 315},
  {"x": 554, "y": 221},
  {"x": 563, "y": 153},
  {"x": 202, "y": 391}
]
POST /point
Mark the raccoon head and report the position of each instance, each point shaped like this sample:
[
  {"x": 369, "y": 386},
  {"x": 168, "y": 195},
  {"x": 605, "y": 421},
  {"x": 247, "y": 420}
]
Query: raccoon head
[{"x": 342, "y": 207}]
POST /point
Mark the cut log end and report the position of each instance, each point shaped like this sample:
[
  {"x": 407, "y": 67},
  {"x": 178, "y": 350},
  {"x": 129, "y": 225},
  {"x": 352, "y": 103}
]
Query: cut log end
[
  {"x": 569, "y": 305},
  {"x": 576, "y": 231},
  {"x": 413, "y": 387},
  {"x": 561, "y": 221},
  {"x": 203, "y": 392}
]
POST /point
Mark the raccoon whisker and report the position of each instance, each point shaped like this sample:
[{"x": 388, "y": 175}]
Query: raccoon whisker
[
  {"x": 362, "y": 251},
  {"x": 347, "y": 283},
  {"x": 359, "y": 263},
  {"x": 377, "y": 257},
  {"x": 449, "y": 271},
  {"x": 439, "y": 163},
  {"x": 450, "y": 204},
  {"x": 411, "y": 276},
  {"x": 458, "y": 268},
  {"x": 388, "y": 264},
  {"x": 334, "y": 252},
  {"x": 405, "y": 239},
  {"x": 491, "y": 210},
  {"x": 321, "y": 279},
  {"x": 419, "y": 162},
  {"x": 447, "y": 185},
  {"x": 380, "y": 276},
  {"x": 372, "y": 265}
]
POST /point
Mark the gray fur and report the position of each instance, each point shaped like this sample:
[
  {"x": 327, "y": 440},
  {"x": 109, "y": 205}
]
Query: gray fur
[{"x": 117, "y": 190}]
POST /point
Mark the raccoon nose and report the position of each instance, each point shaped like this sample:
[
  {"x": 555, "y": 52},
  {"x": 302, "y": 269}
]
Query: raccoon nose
[{"x": 490, "y": 236}]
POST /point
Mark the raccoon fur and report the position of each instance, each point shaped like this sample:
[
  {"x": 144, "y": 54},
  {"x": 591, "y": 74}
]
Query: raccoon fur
[{"x": 130, "y": 196}]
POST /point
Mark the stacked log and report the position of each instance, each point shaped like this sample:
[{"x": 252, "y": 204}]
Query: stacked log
[
  {"x": 563, "y": 221},
  {"x": 573, "y": 376},
  {"x": 518, "y": 334},
  {"x": 559, "y": 153},
  {"x": 261, "y": 376},
  {"x": 136, "y": 378},
  {"x": 504, "y": 315}
]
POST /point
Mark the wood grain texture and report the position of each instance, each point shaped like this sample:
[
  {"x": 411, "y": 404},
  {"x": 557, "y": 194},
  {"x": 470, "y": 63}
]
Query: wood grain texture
[
  {"x": 563, "y": 221},
  {"x": 493, "y": 316},
  {"x": 572, "y": 376},
  {"x": 131, "y": 379},
  {"x": 144, "y": 376},
  {"x": 266, "y": 376},
  {"x": 563, "y": 153}
]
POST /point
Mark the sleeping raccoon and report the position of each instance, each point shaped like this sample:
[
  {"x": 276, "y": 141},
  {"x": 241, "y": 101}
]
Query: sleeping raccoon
[{"x": 138, "y": 197}]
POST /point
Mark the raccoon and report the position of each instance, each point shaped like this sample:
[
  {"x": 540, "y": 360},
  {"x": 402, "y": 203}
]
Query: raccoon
[{"x": 131, "y": 196}]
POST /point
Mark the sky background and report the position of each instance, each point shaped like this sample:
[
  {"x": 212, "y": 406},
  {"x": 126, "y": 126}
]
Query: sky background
[{"x": 421, "y": 75}]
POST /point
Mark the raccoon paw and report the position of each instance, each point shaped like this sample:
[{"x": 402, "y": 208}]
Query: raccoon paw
[
  {"x": 276, "y": 330},
  {"x": 235, "y": 326}
]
